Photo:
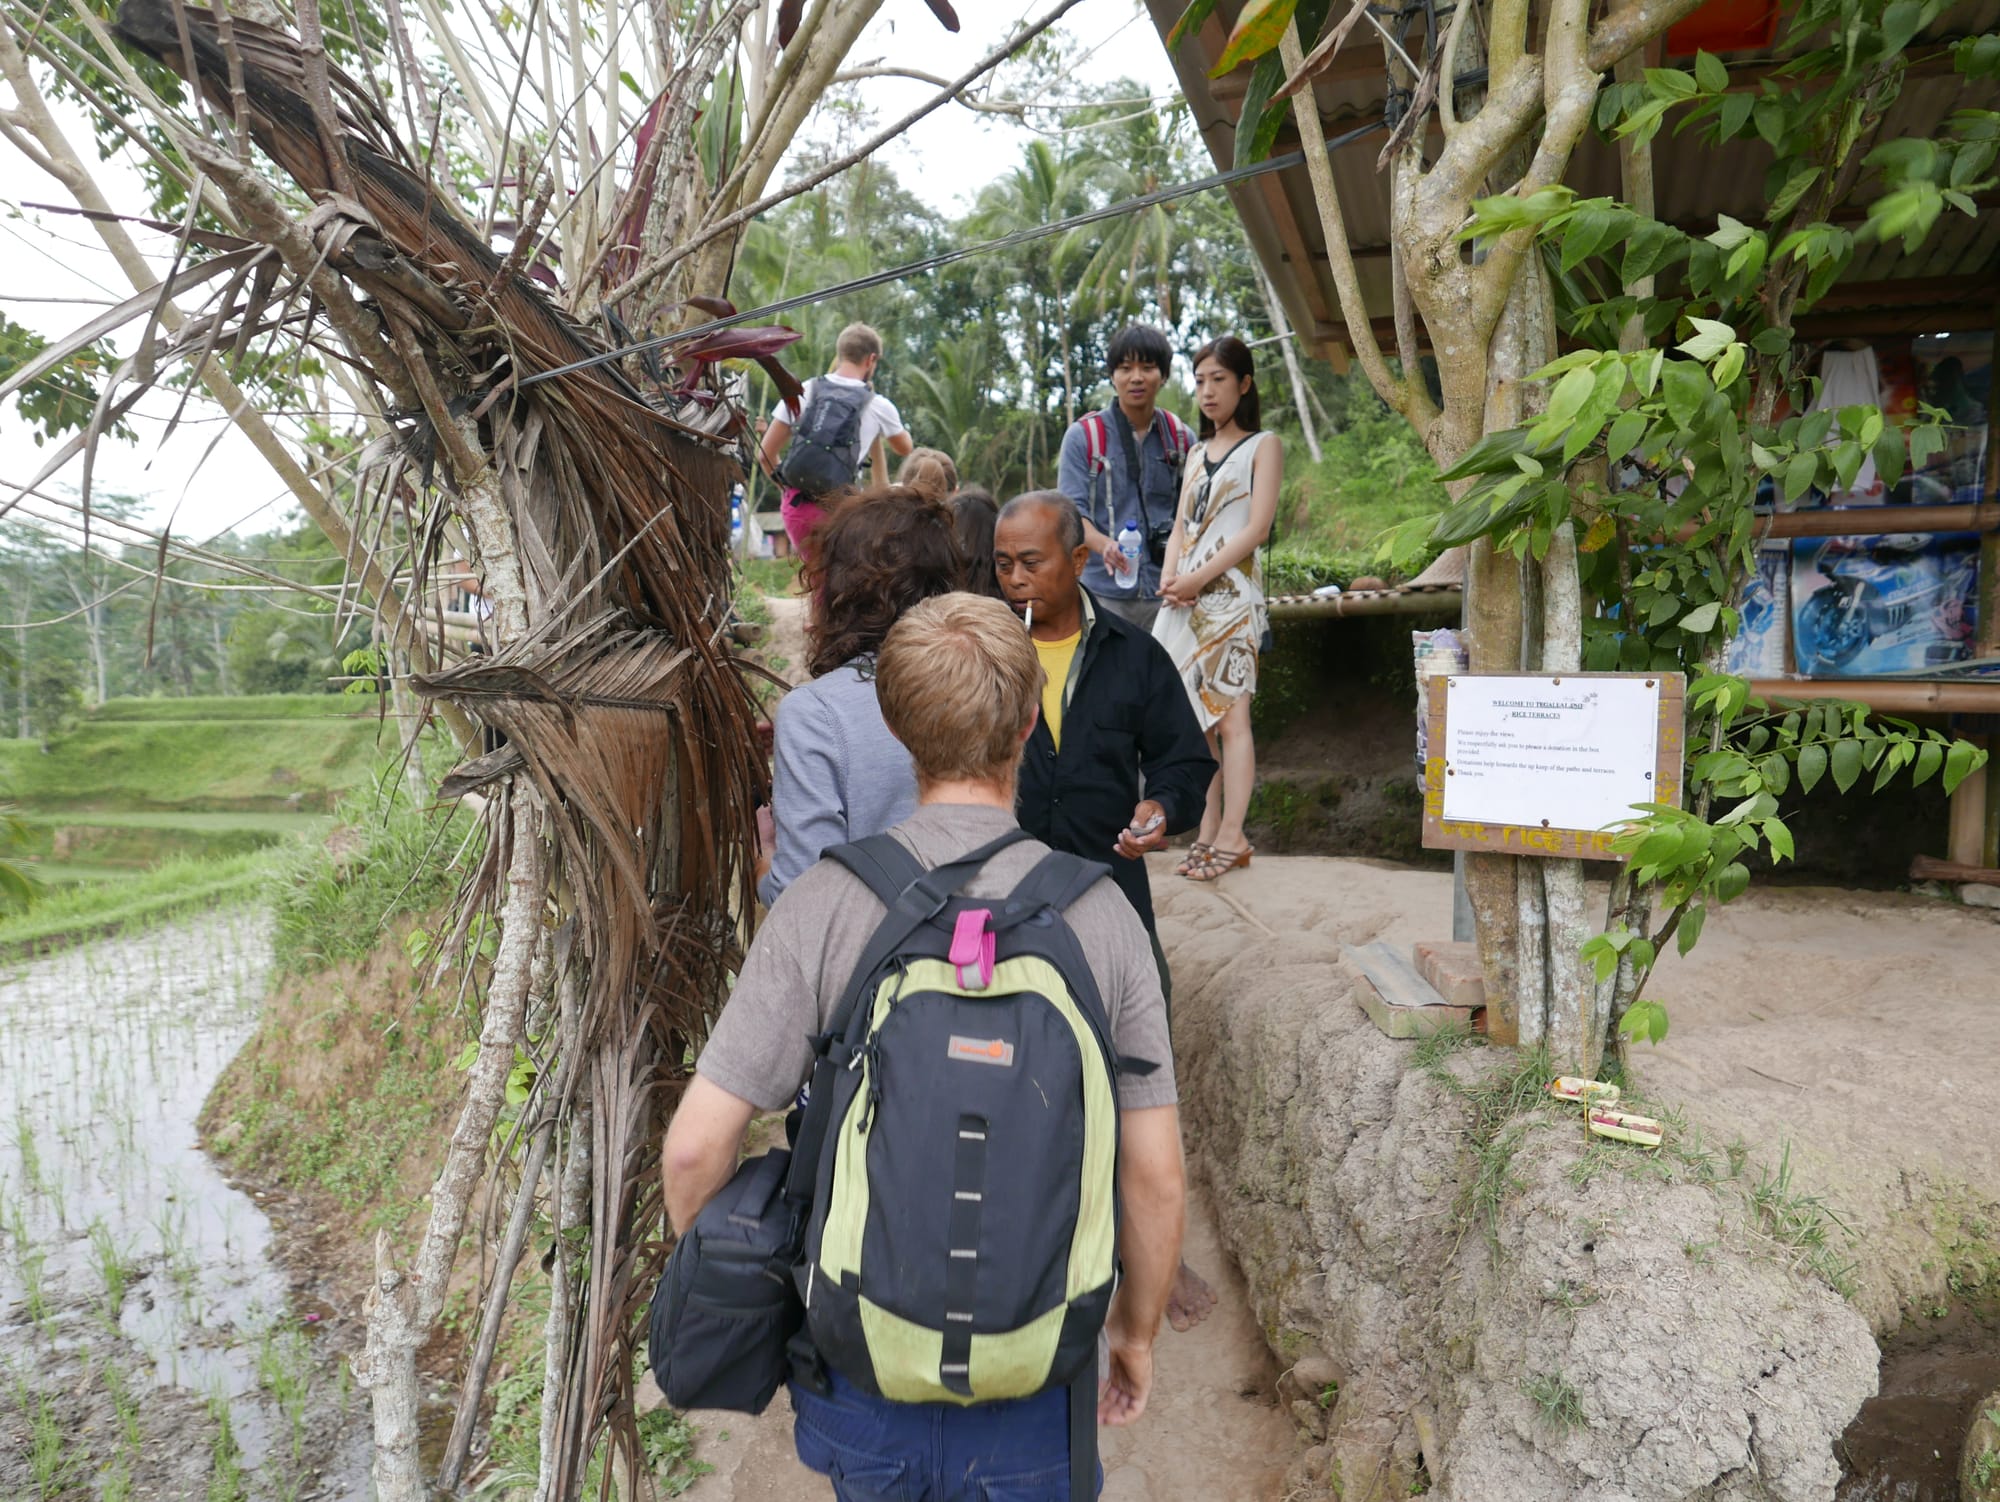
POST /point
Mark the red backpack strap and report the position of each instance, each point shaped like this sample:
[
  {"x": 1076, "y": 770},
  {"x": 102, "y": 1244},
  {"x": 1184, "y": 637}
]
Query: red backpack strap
[
  {"x": 1096, "y": 443},
  {"x": 1180, "y": 437}
]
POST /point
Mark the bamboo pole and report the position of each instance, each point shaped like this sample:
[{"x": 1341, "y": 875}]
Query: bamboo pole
[
  {"x": 1891, "y": 695},
  {"x": 1444, "y": 601}
]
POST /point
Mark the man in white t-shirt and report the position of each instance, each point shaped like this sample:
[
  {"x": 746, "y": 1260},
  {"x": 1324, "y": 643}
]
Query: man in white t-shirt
[{"x": 842, "y": 422}]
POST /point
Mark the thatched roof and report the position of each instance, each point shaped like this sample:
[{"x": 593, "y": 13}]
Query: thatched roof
[{"x": 1950, "y": 284}]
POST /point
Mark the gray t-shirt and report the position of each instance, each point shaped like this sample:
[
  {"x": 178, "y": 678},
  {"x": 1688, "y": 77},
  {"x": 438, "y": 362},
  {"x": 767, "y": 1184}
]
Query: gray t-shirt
[{"x": 805, "y": 954}]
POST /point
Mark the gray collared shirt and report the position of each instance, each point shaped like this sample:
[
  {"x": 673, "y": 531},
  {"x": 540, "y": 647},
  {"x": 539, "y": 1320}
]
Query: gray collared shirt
[{"x": 1108, "y": 501}]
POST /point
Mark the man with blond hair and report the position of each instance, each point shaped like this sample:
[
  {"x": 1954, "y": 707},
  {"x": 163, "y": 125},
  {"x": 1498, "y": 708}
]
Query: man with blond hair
[
  {"x": 960, "y": 686},
  {"x": 841, "y": 422}
]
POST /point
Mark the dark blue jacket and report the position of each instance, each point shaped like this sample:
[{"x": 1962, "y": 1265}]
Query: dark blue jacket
[{"x": 1128, "y": 717}]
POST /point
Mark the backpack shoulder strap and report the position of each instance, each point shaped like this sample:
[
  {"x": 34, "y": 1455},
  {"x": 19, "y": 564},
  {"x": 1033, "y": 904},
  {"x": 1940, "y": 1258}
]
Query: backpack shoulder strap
[
  {"x": 883, "y": 862},
  {"x": 1096, "y": 442},
  {"x": 1180, "y": 437},
  {"x": 1056, "y": 882}
]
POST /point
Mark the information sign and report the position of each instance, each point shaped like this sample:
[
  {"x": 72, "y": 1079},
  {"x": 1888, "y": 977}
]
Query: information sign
[{"x": 1533, "y": 764}]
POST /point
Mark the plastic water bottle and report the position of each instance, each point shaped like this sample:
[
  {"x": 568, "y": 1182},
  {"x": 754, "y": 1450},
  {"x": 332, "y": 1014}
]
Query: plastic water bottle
[{"x": 1130, "y": 544}]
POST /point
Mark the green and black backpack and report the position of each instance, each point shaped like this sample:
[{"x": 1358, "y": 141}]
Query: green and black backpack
[{"x": 963, "y": 1140}]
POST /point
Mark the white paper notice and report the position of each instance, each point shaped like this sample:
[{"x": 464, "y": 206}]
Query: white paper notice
[{"x": 1568, "y": 753}]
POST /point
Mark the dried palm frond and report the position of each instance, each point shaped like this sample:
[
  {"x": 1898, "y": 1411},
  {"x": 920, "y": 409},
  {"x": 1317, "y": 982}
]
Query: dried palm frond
[{"x": 630, "y": 752}]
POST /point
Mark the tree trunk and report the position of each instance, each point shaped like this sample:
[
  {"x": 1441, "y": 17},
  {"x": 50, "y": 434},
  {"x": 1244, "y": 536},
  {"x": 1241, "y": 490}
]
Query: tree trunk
[
  {"x": 1294, "y": 371},
  {"x": 403, "y": 1308}
]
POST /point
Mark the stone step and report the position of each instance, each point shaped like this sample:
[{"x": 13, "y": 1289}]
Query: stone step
[
  {"x": 1453, "y": 970},
  {"x": 1398, "y": 1000}
]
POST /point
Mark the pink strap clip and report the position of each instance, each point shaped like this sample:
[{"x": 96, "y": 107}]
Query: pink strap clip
[{"x": 972, "y": 945}]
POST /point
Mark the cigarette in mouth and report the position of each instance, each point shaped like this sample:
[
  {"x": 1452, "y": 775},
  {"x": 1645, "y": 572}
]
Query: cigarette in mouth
[{"x": 1028, "y": 616}]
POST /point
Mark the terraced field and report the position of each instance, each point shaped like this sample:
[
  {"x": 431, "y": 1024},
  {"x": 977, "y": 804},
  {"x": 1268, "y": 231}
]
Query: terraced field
[{"x": 154, "y": 806}]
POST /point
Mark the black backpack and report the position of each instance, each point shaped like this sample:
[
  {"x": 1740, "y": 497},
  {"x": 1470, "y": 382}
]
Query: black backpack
[
  {"x": 825, "y": 447},
  {"x": 969, "y": 1071}
]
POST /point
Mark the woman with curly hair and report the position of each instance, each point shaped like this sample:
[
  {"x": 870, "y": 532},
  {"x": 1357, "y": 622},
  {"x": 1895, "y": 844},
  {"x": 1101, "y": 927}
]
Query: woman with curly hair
[{"x": 838, "y": 774}]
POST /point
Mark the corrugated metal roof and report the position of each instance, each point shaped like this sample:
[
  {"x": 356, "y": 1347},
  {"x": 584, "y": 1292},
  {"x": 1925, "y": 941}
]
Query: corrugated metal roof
[{"x": 1949, "y": 282}]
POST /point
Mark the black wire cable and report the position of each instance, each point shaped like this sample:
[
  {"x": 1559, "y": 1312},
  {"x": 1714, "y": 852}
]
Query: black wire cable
[{"x": 946, "y": 258}]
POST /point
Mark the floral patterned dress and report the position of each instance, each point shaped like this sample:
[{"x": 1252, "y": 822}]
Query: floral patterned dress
[{"x": 1214, "y": 643}]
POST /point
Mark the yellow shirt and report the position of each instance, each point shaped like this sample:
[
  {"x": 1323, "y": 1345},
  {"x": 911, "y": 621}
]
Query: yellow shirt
[{"x": 1056, "y": 657}]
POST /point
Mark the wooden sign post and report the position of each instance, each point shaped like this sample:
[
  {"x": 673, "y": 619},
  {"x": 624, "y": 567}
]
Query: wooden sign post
[{"x": 1535, "y": 764}]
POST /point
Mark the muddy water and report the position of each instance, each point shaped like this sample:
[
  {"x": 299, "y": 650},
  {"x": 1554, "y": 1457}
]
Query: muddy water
[
  {"x": 1904, "y": 1445},
  {"x": 142, "y": 1322}
]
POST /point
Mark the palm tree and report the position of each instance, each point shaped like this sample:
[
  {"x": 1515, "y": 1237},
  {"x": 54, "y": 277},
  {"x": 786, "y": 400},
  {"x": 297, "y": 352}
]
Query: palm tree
[
  {"x": 951, "y": 402},
  {"x": 1035, "y": 286},
  {"x": 1147, "y": 151}
]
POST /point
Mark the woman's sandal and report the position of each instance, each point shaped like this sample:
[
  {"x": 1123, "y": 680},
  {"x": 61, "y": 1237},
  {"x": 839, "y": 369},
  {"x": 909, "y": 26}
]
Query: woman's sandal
[
  {"x": 1218, "y": 863},
  {"x": 1196, "y": 854}
]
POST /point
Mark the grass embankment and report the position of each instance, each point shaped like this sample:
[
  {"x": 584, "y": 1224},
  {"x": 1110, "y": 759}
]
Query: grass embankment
[
  {"x": 80, "y": 909},
  {"x": 346, "y": 1096},
  {"x": 277, "y": 753},
  {"x": 1373, "y": 475},
  {"x": 149, "y": 808}
]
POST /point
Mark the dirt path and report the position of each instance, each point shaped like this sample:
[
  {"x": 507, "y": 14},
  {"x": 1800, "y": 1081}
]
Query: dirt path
[
  {"x": 1213, "y": 1430},
  {"x": 788, "y": 636}
]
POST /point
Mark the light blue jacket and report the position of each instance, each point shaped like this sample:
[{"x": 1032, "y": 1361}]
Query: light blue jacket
[{"x": 839, "y": 774}]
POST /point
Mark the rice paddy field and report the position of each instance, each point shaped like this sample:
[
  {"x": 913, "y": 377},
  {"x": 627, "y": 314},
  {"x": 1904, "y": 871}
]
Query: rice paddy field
[{"x": 147, "y": 1346}]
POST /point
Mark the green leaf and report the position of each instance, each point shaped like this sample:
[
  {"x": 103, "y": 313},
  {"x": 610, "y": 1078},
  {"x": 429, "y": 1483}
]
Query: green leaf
[
  {"x": 1732, "y": 114},
  {"x": 1790, "y": 194},
  {"x": 1729, "y": 232},
  {"x": 1926, "y": 441},
  {"x": 1258, "y": 29},
  {"x": 1709, "y": 339},
  {"x": 1710, "y": 73},
  {"x": 1890, "y": 454},
  {"x": 1812, "y": 766},
  {"x": 1702, "y": 618},
  {"x": 1646, "y": 1021},
  {"x": 1960, "y": 762},
  {"x": 1625, "y": 432},
  {"x": 1603, "y": 958},
  {"x": 1731, "y": 882},
  {"x": 1490, "y": 455},
  {"x": 1729, "y": 367},
  {"x": 1799, "y": 474},
  {"x": 1772, "y": 342},
  {"x": 1670, "y": 83},
  {"x": 1692, "y": 923},
  {"x": 1847, "y": 762},
  {"x": 1776, "y": 772},
  {"x": 1258, "y": 126},
  {"x": 1900, "y": 24},
  {"x": 1571, "y": 392},
  {"x": 1930, "y": 756},
  {"x": 1197, "y": 12},
  {"x": 1658, "y": 848},
  {"x": 466, "y": 1055},
  {"x": 1780, "y": 838}
]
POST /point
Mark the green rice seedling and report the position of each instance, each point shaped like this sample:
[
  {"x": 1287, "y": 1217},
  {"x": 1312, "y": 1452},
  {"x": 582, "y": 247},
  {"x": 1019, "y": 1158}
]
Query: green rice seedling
[
  {"x": 113, "y": 1271},
  {"x": 284, "y": 1370},
  {"x": 51, "y": 1461},
  {"x": 123, "y": 1405},
  {"x": 25, "y": 1149},
  {"x": 32, "y": 1262},
  {"x": 225, "y": 1471}
]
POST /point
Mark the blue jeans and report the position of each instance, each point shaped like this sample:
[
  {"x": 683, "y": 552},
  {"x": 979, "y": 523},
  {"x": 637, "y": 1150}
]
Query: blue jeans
[{"x": 877, "y": 1451}]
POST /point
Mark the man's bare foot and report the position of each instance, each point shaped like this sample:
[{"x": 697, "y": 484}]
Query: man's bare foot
[{"x": 1190, "y": 1301}]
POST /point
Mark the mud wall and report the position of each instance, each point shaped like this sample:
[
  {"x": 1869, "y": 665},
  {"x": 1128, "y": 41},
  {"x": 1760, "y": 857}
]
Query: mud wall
[{"x": 1470, "y": 1295}]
